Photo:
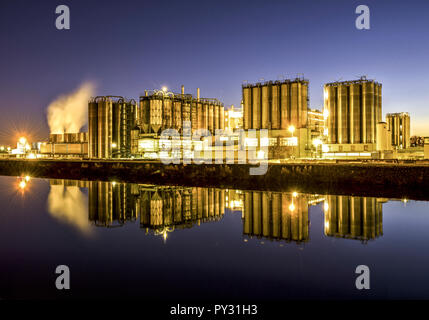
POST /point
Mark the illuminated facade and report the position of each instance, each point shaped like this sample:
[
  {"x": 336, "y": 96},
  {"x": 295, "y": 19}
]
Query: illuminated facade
[
  {"x": 353, "y": 109},
  {"x": 399, "y": 126}
]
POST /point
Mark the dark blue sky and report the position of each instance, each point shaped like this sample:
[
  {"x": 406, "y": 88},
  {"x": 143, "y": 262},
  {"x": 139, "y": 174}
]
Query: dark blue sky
[{"x": 129, "y": 46}]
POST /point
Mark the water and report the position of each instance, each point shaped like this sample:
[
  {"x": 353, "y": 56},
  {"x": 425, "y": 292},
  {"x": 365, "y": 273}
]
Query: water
[{"x": 170, "y": 243}]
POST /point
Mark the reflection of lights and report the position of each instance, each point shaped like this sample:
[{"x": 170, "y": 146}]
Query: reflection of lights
[
  {"x": 292, "y": 207},
  {"x": 22, "y": 184},
  {"x": 164, "y": 232},
  {"x": 31, "y": 156},
  {"x": 326, "y": 206},
  {"x": 114, "y": 183}
]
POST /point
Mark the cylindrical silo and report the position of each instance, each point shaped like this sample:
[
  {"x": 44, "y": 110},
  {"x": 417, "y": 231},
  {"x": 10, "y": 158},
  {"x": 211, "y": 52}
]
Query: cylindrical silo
[
  {"x": 93, "y": 129},
  {"x": 265, "y": 107},
  {"x": 369, "y": 111},
  {"x": 343, "y": 114},
  {"x": 256, "y": 107},
  {"x": 355, "y": 113},
  {"x": 247, "y": 108},
  {"x": 275, "y": 107}
]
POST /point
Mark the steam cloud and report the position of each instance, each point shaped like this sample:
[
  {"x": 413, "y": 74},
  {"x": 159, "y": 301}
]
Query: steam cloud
[
  {"x": 69, "y": 205},
  {"x": 69, "y": 113}
]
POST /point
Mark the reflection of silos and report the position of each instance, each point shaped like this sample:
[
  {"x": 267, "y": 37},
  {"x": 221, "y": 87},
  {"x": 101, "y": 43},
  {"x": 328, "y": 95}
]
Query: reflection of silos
[
  {"x": 105, "y": 202},
  {"x": 93, "y": 129},
  {"x": 248, "y": 213},
  {"x": 93, "y": 201},
  {"x": 266, "y": 214},
  {"x": 276, "y": 215},
  {"x": 353, "y": 217},
  {"x": 257, "y": 213}
]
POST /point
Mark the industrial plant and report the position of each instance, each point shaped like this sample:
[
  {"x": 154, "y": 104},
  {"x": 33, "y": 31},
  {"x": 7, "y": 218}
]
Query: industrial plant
[{"x": 349, "y": 126}]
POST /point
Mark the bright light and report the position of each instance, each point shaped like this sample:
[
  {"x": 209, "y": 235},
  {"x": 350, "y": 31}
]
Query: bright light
[
  {"x": 31, "y": 156},
  {"x": 261, "y": 154},
  {"x": 113, "y": 183},
  {"x": 295, "y": 194},
  {"x": 325, "y": 148},
  {"x": 27, "y": 147},
  {"x": 325, "y": 131},
  {"x": 326, "y": 206},
  {"x": 1, "y": 148},
  {"x": 114, "y": 145},
  {"x": 292, "y": 207},
  {"x": 264, "y": 142},
  {"x": 291, "y": 129},
  {"x": 326, "y": 224},
  {"x": 326, "y": 95},
  {"x": 27, "y": 178},
  {"x": 325, "y": 113},
  {"x": 22, "y": 184},
  {"x": 22, "y": 140},
  {"x": 317, "y": 142},
  {"x": 164, "y": 89}
]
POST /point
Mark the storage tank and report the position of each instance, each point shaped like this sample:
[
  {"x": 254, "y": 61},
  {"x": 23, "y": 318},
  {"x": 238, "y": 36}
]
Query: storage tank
[
  {"x": 275, "y": 107},
  {"x": 356, "y": 113},
  {"x": 382, "y": 136},
  {"x": 104, "y": 128},
  {"x": 285, "y": 104},
  {"x": 343, "y": 115},
  {"x": 368, "y": 111},
  {"x": 247, "y": 108},
  {"x": 265, "y": 108},
  {"x": 222, "y": 117},
  {"x": 256, "y": 107}
]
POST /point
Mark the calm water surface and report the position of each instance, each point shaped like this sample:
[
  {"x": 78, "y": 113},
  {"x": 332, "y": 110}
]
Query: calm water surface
[{"x": 178, "y": 243}]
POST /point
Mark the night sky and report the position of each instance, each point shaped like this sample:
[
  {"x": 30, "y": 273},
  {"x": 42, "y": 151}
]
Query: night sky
[{"x": 126, "y": 47}]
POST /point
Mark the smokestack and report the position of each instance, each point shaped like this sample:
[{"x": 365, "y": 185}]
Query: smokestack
[
  {"x": 183, "y": 89},
  {"x": 198, "y": 94}
]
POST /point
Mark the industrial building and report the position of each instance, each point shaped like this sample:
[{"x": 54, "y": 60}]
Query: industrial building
[
  {"x": 282, "y": 108},
  {"x": 359, "y": 218},
  {"x": 110, "y": 122},
  {"x": 399, "y": 126},
  {"x": 71, "y": 145},
  {"x": 352, "y": 109},
  {"x": 234, "y": 118}
]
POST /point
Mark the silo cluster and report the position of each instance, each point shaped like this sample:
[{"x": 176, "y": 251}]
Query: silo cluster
[
  {"x": 275, "y": 105},
  {"x": 353, "y": 109},
  {"x": 278, "y": 216},
  {"x": 161, "y": 110},
  {"x": 110, "y": 121}
]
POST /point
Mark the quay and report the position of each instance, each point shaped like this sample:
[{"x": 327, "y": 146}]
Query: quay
[{"x": 382, "y": 179}]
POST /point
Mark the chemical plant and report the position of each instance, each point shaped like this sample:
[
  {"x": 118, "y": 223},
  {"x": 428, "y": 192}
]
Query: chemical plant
[{"x": 349, "y": 126}]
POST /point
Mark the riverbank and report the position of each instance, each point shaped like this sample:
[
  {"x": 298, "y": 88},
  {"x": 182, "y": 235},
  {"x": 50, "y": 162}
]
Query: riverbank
[{"x": 388, "y": 180}]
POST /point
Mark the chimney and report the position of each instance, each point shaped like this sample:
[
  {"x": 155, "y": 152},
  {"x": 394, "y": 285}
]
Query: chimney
[
  {"x": 183, "y": 89},
  {"x": 198, "y": 94}
]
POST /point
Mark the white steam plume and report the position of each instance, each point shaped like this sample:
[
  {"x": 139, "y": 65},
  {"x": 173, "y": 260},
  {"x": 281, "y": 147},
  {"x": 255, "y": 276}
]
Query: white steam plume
[{"x": 69, "y": 113}]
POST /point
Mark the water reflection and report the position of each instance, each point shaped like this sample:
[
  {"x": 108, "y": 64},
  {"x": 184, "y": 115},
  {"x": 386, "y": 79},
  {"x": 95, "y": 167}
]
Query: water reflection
[
  {"x": 354, "y": 217},
  {"x": 159, "y": 210}
]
